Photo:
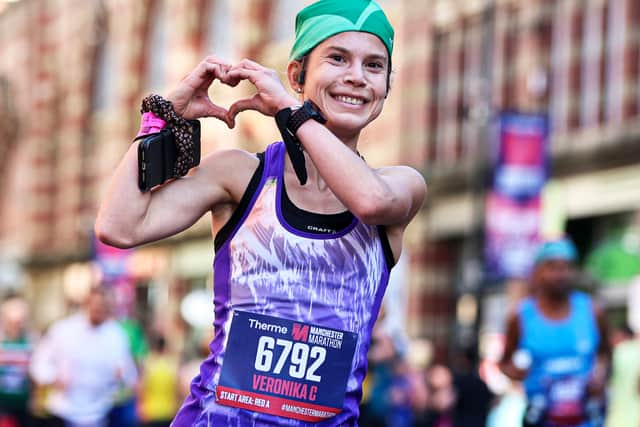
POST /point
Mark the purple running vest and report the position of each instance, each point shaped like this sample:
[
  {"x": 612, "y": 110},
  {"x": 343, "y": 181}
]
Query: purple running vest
[{"x": 268, "y": 267}]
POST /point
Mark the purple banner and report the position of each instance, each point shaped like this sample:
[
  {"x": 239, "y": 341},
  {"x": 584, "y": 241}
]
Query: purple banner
[
  {"x": 522, "y": 166},
  {"x": 512, "y": 235},
  {"x": 513, "y": 207}
]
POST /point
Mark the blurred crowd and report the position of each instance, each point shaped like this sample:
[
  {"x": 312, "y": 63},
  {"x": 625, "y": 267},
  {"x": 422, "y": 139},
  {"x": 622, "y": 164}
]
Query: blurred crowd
[
  {"x": 399, "y": 393},
  {"x": 90, "y": 369},
  {"x": 455, "y": 394}
]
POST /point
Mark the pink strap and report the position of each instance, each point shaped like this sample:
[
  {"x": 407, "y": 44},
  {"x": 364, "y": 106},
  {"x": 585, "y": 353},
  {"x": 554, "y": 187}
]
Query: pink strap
[{"x": 150, "y": 123}]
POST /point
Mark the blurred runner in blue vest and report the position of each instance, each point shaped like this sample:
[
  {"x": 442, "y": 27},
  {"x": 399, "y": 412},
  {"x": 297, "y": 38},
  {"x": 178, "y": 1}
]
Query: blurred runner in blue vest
[{"x": 557, "y": 344}]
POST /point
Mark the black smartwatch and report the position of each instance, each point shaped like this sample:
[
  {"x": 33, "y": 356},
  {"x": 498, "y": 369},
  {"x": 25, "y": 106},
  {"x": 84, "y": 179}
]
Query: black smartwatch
[
  {"x": 307, "y": 111},
  {"x": 288, "y": 121}
]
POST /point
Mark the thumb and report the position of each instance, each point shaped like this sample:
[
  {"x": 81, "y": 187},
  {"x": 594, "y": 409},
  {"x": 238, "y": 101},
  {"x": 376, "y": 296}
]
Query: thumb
[
  {"x": 216, "y": 111},
  {"x": 252, "y": 103}
]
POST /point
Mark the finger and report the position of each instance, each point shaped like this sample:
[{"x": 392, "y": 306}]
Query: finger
[
  {"x": 217, "y": 112},
  {"x": 204, "y": 74},
  {"x": 232, "y": 76},
  {"x": 209, "y": 75},
  {"x": 223, "y": 66},
  {"x": 212, "y": 59},
  {"x": 213, "y": 71},
  {"x": 252, "y": 103},
  {"x": 249, "y": 64},
  {"x": 236, "y": 74}
]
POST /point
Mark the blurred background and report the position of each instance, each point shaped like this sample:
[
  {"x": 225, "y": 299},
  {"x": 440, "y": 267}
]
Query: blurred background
[{"x": 475, "y": 81}]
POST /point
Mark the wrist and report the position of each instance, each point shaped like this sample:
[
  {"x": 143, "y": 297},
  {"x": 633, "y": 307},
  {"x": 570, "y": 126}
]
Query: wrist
[
  {"x": 150, "y": 123},
  {"x": 178, "y": 107},
  {"x": 288, "y": 102},
  {"x": 302, "y": 114}
]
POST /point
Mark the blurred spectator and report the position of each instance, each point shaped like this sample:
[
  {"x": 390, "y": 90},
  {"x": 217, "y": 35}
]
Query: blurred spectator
[
  {"x": 15, "y": 352},
  {"x": 39, "y": 413},
  {"x": 419, "y": 357},
  {"x": 388, "y": 386},
  {"x": 400, "y": 393},
  {"x": 509, "y": 409},
  {"x": 624, "y": 410},
  {"x": 620, "y": 334},
  {"x": 190, "y": 364},
  {"x": 473, "y": 396},
  {"x": 158, "y": 391},
  {"x": 442, "y": 399},
  {"x": 557, "y": 343},
  {"x": 124, "y": 411},
  {"x": 84, "y": 358}
]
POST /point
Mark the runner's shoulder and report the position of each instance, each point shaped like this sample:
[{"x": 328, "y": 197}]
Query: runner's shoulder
[
  {"x": 231, "y": 169},
  {"x": 230, "y": 159}
]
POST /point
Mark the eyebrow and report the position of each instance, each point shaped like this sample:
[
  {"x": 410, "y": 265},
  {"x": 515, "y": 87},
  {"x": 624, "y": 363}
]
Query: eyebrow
[{"x": 347, "y": 51}]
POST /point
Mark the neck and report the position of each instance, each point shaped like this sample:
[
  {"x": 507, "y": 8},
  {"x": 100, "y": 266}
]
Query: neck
[
  {"x": 553, "y": 305},
  {"x": 313, "y": 176},
  {"x": 348, "y": 137},
  {"x": 93, "y": 322}
]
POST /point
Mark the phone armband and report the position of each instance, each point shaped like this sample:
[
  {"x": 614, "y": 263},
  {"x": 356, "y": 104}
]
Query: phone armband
[{"x": 157, "y": 155}]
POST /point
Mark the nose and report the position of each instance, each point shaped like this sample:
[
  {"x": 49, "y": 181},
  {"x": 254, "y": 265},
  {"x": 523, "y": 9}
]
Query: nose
[{"x": 355, "y": 75}]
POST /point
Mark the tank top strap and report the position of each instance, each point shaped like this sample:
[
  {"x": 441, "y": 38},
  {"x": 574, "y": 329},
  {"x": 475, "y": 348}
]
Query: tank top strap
[{"x": 274, "y": 159}]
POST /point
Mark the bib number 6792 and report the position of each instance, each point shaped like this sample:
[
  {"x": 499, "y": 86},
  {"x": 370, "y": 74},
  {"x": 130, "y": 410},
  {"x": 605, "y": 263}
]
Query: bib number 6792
[{"x": 298, "y": 355}]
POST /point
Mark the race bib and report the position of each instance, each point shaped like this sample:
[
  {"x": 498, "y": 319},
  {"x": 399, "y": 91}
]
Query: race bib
[
  {"x": 285, "y": 368},
  {"x": 566, "y": 401}
]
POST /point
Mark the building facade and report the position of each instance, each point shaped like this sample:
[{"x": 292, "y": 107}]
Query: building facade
[
  {"x": 576, "y": 61},
  {"x": 73, "y": 74},
  {"x": 74, "y": 71}
]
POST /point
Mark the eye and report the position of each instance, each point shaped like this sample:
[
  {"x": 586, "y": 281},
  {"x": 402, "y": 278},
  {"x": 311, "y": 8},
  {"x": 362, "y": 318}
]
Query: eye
[
  {"x": 375, "y": 65},
  {"x": 337, "y": 57}
]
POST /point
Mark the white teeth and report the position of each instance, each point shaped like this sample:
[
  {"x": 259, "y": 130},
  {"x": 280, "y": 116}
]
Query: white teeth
[{"x": 350, "y": 100}]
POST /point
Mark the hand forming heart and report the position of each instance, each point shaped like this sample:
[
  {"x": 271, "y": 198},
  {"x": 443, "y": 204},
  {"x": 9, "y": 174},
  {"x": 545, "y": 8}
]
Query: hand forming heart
[{"x": 191, "y": 100}]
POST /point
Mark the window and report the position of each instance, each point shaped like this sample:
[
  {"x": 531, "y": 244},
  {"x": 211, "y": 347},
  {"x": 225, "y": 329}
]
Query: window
[
  {"x": 283, "y": 18},
  {"x": 220, "y": 34},
  {"x": 475, "y": 91},
  {"x": 155, "y": 75},
  {"x": 560, "y": 67},
  {"x": 105, "y": 66},
  {"x": 591, "y": 55},
  {"x": 104, "y": 92},
  {"x": 615, "y": 78},
  {"x": 449, "y": 96}
]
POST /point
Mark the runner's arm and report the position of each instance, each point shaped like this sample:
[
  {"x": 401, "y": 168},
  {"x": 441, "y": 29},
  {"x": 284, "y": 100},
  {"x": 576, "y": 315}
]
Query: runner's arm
[
  {"x": 387, "y": 196},
  {"x": 512, "y": 341},
  {"x": 128, "y": 217},
  {"x": 601, "y": 369}
]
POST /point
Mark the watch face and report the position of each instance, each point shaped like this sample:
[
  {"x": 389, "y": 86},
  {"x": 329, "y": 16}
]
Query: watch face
[{"x": 314, "y": 112}]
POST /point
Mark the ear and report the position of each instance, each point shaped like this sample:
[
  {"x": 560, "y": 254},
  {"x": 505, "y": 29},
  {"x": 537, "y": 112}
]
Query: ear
[
  {"x": 293, "y": 75},
  {"x": 391, "y": 79}
]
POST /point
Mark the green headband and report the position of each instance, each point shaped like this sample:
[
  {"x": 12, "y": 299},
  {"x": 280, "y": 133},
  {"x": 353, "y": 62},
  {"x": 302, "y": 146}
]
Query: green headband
[{"x": 325, "y": 18}]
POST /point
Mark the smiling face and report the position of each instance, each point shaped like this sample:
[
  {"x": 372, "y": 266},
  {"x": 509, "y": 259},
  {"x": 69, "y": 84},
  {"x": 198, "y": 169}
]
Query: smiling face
[
  {"x": 554, "y": 277},
  {"x": 346, "y": 77}
]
